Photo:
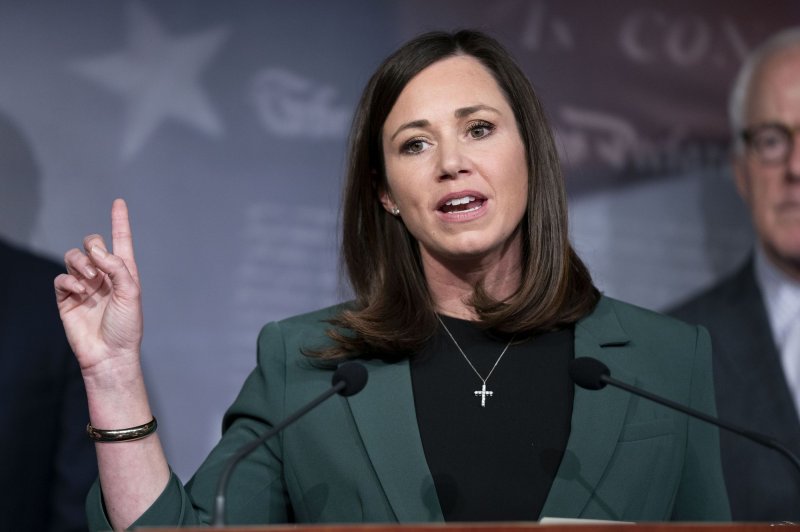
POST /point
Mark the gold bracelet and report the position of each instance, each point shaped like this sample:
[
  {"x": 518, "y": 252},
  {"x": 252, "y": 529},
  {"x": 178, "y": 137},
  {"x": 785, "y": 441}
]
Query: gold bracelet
[{"x": 118, "y": 435}]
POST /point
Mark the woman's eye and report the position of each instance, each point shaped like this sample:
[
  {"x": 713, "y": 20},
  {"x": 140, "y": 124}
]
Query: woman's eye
[
  {"x": 414, "y": 146},
  {"x": 479, "y": 130}
]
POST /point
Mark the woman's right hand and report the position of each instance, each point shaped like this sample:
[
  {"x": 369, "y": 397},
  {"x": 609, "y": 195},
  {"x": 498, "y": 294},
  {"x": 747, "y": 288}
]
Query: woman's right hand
[{"x": 99, "y": 299}]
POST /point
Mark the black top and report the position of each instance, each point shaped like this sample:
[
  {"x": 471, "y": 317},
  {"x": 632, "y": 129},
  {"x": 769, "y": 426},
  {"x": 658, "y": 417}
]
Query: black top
[{"x": 494, "y": 462}]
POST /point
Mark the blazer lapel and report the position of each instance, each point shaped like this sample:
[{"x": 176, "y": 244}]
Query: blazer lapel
[
  {"x": 597, "y": 417},
  {"x": 749, "y": 360},
  {"x": 387, "y": 423},
  {"x": 758, "y": 360}
]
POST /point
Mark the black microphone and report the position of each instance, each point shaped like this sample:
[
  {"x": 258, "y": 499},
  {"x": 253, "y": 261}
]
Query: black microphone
[
  {"x": 348, "y": 379},
  {"x": 592, "y": 374}
]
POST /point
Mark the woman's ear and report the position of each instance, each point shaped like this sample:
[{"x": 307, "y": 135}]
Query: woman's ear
[{"x": 388, "y": 203}]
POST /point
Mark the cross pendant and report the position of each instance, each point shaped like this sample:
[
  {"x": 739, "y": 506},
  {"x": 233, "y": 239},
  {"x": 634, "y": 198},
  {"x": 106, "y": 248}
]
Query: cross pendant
[{"x": 483, "y": 392}]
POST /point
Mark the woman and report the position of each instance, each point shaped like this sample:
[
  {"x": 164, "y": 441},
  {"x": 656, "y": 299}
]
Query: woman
[{"x": 469, "y": 305}]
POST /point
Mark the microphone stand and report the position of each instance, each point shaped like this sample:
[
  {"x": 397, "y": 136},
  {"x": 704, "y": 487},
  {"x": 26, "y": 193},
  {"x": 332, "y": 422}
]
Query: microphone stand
[{"x": 753, "y": 436}]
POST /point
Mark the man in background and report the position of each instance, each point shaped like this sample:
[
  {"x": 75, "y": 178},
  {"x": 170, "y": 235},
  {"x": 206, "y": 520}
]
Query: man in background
[
  {"x": 754, "y": 315},
  {"x": 48, "y": 462}
]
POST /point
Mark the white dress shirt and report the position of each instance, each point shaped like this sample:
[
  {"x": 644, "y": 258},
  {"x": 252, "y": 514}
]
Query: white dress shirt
[{"x": 782, "y": 299}]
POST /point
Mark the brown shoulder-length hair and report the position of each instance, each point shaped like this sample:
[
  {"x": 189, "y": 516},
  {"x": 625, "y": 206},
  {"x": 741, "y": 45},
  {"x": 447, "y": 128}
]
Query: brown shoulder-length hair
[{"x": 393, "y": 314}]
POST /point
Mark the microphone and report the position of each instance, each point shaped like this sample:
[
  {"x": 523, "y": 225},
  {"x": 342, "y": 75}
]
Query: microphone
[
  {"x": 348, "y": 379},
  {"x": 591, "y": 374}
]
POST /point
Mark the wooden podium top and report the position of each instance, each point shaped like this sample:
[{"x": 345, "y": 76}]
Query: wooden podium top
[{"x": 587, "y": 526}]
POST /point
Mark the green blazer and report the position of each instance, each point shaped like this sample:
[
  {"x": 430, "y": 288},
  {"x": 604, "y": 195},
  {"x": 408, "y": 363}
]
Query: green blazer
[{"x": 360, "y": 459}]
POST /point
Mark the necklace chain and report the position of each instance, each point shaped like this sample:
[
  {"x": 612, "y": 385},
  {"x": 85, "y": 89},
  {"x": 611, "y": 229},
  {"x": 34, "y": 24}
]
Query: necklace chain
[{"x": 483, "y": 393}]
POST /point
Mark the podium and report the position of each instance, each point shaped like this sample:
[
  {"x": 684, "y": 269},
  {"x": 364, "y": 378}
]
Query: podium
[{"x": 502, "y": 527}]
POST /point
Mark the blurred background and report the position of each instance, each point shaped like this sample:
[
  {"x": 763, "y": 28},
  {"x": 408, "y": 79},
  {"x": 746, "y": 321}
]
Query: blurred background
[{"x": 224, "y": 125}]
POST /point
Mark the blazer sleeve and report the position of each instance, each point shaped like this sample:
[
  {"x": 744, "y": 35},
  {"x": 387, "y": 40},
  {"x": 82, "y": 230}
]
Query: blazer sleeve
[
  {"x": 256, "y": 493},
  {"x": 701, "y": 494}
]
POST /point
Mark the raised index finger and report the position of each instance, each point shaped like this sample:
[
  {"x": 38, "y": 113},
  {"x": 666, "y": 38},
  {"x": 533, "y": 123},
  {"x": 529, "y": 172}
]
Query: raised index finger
[{"x": 121, "y": 236}]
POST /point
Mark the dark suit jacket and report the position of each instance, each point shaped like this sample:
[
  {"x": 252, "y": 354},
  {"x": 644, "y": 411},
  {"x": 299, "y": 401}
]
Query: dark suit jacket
[
  {"x": 360, "y": 458},
  {"x": 752, "y": 393},
  {"x": 47, "y": 462}
]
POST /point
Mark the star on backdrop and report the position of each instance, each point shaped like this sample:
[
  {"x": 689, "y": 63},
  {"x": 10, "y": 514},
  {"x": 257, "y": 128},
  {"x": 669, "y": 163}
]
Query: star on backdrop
[{"x": 158, "y": 76}]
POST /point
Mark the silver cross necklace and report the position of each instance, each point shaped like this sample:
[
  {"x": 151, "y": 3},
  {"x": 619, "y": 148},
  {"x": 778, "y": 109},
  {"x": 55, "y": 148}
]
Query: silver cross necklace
[{"x": 483, "y": 392}]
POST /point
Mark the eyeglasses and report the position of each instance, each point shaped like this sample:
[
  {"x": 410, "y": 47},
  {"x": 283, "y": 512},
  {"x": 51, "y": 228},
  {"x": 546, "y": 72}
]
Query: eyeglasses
[{"x": 772, "y": 142}]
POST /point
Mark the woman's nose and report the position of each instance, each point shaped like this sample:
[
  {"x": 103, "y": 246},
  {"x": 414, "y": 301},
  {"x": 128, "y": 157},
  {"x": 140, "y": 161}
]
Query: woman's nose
[{"x": 453, "y": 159}]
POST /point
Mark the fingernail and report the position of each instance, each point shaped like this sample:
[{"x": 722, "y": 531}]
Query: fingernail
[
  {"x": 79, "y": 288},
  {"x": 99, "y": 252},
  {"x": 90, "y": 272}
]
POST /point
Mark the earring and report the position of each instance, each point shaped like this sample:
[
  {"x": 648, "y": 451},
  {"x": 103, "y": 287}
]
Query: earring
[{"x": 395, "y": 210}]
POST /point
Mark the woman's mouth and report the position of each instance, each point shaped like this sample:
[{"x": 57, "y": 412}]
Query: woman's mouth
[{"x": 462, "y": 205}]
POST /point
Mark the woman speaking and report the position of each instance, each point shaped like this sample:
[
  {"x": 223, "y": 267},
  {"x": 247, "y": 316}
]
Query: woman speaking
[{"x": 469, "y": 305}]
